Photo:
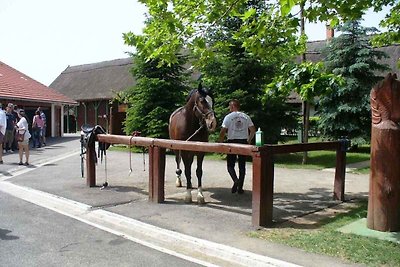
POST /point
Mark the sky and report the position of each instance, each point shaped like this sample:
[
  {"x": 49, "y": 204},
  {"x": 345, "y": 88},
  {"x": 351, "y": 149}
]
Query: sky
[{"x": 41, "y": 38}]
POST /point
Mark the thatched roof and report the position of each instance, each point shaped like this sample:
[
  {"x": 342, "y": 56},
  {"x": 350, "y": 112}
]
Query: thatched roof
[
  {"x": 97, "y": 81},
  {"x": 103, "y": 80},
  {"x": 393, "y": 51}
]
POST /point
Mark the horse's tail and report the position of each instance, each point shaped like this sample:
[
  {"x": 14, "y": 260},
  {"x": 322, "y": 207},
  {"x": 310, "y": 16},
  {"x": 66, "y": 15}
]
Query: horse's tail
[{"x": 178, "y": 171}]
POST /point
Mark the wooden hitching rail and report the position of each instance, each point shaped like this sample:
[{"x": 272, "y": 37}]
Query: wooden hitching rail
[{"x": 263, "y": 166}]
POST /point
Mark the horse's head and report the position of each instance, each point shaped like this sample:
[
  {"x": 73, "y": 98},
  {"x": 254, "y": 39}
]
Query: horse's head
[
  {"x": 385, "y": 100},
  {"x": 203, "y": 108}
]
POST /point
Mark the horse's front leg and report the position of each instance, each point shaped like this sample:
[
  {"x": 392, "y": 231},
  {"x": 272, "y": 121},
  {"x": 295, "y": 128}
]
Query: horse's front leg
[
  {"x": 178, "y": 171},
  {"x": 199, "y": 174},
  {"x": 187, "y": 161}
]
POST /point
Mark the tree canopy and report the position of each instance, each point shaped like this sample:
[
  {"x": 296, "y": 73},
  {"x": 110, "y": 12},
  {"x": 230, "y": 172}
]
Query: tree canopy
[
  {"x": 157, "y": 93},
  {"x": 176, "y": 25},
  {"x": 345, "y": 111}
]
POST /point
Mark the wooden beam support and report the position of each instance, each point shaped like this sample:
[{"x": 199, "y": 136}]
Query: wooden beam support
[
  {"x": 156, "y": 174},
  {"x": 263, "y": 189},
  {"x": 91, "y": 165}
]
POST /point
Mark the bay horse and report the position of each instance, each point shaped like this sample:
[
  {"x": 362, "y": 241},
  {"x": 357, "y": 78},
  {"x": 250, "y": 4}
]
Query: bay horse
[{"x": 192, "y": 122}]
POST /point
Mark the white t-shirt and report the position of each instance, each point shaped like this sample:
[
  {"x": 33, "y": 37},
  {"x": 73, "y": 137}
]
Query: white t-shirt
[
  {"x": 23, "y": 126},
  {"x": 3, "y": 122},
  {"x": 237, "y": 124}
]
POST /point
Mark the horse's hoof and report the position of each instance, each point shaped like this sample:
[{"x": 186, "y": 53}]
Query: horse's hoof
[
  {"x": 200, "y": 200},
  {"x": 178, "y": 182},
  {"x": 188, "y": 196},
  {"x": 188, "y": 200}
]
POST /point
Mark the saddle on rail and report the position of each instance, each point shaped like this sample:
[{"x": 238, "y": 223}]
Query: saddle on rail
[{"x": 89, "y": 137}]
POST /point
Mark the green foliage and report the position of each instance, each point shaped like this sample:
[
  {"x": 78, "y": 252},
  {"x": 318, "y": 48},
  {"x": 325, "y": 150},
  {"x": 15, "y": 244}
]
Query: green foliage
[
  {"x": 176, "y": 25},
  {"x": 234, "y": 73},
  {"x": 325, "y": 239},
  {"x": 267, "y": 32},
  {"x": 391, "y": 23},
  {"x": 317, "y": 159},
  {"x": 308, "y": 79},
  {"x": 329, "y": 10},
  {"x": 157, "y": 93},
  {"x": 346, "y": 110}
]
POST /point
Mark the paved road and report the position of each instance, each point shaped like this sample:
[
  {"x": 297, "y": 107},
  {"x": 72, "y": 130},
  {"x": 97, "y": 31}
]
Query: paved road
[
  {"x": 31, "y": 235},
  {"x": 224, "y": 221}
]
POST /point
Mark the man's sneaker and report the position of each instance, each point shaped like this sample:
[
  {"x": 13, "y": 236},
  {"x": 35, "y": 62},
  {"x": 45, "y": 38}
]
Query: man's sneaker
[
  {"x": 235, "y": 187},
  {"x": 20, "y": 163}
]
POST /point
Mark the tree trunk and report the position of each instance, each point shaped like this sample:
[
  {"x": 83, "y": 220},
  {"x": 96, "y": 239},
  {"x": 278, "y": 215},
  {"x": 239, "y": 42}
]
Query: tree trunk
[
  {"x": 305, "y": 104},
  {"x": 306, "y": 127}
]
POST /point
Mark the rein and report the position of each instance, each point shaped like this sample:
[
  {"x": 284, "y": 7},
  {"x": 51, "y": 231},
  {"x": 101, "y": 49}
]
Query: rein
[
  {"x": 190, "y": 137},
  {"x": 202, "y": 119}
]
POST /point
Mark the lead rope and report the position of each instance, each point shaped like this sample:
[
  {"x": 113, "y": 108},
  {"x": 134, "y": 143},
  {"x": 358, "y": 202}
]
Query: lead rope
[
  {"x": 201, "y": 126},
  {"x": 144, "y": 159},
  {"x": 105, "y": 171},
  {"x": 130, "y": 156},
  {"x": 134, "y": 134}
]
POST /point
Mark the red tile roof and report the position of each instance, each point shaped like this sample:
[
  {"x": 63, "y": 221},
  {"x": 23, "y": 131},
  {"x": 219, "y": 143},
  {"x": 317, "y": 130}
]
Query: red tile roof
[{"x": 18, "y": 86}]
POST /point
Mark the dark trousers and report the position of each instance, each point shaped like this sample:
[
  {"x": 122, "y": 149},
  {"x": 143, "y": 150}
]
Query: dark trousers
[
  {"x": 36, "y": 137},
  {"x": 231, "y": 161}
]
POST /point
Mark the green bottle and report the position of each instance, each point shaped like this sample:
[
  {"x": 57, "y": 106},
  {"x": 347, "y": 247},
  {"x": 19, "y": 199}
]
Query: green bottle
[{"x": 259, "y": 138}]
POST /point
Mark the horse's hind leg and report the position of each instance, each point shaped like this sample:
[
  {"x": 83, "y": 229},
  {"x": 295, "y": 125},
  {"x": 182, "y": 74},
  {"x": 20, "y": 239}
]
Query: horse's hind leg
[
  {"x": 178, "y": 171},
  {"x": 199, "y": 174},
  {"x": 187, "y": 161}
]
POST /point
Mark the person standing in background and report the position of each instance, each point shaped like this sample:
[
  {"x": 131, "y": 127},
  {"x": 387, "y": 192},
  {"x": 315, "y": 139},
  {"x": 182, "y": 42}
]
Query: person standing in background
[
  {"x": 10, "y": 129},
  {"x": 37, "y": 125},
  {"x": 3, "y": 125},
  {"x": 43, "y": 131},
  {"x": 14, "y": 146},
  {"x": 241, "y": 130},
  {"x": 22, "y": 128}
]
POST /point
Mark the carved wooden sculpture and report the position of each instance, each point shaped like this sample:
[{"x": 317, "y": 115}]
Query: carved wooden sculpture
[{"x": 384, "y": 184}]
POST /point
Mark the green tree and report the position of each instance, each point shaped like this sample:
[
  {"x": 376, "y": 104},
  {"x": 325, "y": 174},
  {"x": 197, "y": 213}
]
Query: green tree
[
  {"x": 233, "y": 72},
  {"x": 157, "y": 93},
  {"x": 345, "y": 111},
  {"x": 175, "y": 25},
  {"x": 391, "y": 22}
]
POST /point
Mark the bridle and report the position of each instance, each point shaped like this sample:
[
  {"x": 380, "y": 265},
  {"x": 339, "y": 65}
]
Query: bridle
[{"x": 202, "y": 118}]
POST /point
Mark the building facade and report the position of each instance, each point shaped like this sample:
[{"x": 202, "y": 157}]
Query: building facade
[{"x": 28, "y": 94}]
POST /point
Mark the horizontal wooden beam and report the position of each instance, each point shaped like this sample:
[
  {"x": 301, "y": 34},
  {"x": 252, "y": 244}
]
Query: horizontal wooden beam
[
  {"x": 126, "y": 140},
  {"x": 224, "y": 148},
  {"x": 292, "y": 148}
]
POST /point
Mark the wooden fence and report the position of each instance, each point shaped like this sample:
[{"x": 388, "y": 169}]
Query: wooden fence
[{"x": 263, "y": 166}]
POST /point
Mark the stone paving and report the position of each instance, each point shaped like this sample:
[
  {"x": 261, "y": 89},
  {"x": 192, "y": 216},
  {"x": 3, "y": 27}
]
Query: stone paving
[{"x": 225, "y": 218}]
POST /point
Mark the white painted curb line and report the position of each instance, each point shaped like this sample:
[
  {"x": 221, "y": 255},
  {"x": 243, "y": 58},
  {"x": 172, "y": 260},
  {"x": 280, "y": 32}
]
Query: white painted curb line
[{"x": 193, "y": 249}]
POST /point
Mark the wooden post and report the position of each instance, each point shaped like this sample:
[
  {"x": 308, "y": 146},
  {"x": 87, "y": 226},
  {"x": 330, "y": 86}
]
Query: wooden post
[
  {"x": 156, "y": 174},
  {"x": 340, "y": 171},
  {"x": 263, "y": 188},
  {"x": 91, "y": 165},
  {"x": 384, "y": 183}
]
